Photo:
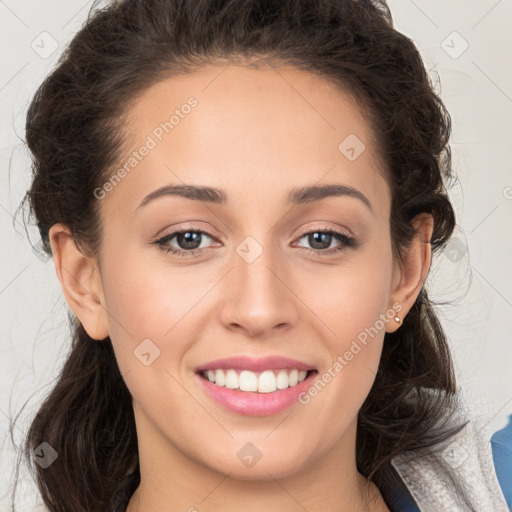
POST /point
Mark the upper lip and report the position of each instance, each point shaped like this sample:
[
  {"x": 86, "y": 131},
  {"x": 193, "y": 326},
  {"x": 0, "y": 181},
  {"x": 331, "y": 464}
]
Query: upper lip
[{"x": 256, "y": 364}]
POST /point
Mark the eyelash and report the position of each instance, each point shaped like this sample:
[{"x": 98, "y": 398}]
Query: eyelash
[{"x": 347, "y": 242}]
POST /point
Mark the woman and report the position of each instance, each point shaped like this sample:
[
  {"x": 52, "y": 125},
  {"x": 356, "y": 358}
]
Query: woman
[{"x": 242, "y": 200}]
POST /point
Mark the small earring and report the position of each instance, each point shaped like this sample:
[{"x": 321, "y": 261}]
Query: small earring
[{"x": 397, "y": 319}]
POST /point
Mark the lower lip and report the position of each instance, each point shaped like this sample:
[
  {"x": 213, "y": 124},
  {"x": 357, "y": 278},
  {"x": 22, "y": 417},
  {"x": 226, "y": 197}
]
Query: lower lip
[{"x": 256, "y": 404}]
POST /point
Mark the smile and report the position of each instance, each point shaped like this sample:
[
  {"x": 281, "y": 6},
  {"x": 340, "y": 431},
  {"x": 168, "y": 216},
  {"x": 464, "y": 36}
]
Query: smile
[{"x": 267, "y": 381}]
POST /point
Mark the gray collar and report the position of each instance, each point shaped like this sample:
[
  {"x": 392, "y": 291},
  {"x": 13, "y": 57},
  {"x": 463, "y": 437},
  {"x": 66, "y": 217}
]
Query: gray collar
[{"x": 458, "y": 477}]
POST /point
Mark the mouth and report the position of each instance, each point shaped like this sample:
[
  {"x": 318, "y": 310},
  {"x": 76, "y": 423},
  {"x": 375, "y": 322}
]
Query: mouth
[
  {"x": 255, "y": 387},
  {"x": 267, "y": 381}
]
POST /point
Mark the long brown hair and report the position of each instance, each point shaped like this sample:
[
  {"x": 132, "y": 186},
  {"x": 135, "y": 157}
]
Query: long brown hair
[{"x": 73, "y": 131}]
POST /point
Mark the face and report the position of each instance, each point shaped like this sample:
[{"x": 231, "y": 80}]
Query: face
[{"x": 266, "y": 270}]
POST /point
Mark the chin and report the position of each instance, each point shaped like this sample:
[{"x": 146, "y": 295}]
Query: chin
[{"x": 264, "y": 469}]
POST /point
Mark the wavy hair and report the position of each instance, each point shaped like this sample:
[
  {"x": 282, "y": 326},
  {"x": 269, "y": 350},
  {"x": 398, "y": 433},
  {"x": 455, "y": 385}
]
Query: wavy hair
[{"x": 74, "y": 134}]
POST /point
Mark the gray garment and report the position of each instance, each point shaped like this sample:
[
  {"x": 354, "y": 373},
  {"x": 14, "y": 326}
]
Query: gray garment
[{"x": 465, "y": 459}]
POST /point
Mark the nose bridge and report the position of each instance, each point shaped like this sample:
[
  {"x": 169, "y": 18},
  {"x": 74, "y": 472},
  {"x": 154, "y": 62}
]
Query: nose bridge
[{"x": 258, "y": 298}]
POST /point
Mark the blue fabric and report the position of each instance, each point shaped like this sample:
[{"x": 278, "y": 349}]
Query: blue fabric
[
  {"x": 403, "y": 501},
  {"x": 501, "y": 443}
]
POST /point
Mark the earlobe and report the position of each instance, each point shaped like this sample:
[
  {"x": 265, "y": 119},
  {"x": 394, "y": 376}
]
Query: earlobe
[
  {"x": 81, "y": 282},
  {"x": 411, "y": 272}
]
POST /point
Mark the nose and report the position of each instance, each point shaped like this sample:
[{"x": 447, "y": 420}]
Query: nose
[{"x": 258, "y": 296}]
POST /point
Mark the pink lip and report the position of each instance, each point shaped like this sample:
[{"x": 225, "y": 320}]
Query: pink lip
[
  {"x": 252, "y": 403},
  {"x": 256, "y": 365}
]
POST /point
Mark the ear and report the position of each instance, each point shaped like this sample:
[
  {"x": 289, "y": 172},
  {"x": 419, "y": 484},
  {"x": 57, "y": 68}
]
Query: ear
[
  {"x": 410, "y": 273},
  {"x": 80, "y": 280}
]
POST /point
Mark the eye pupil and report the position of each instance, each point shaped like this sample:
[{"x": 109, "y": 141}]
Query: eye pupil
[
  {"x": 189, "y": 240},
  {"x": 323, "y": 239}
]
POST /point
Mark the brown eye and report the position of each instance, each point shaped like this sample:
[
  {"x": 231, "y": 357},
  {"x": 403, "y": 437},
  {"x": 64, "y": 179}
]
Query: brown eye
[
  {"x": 187, "y": 242},
  {"x": 320, "y": 241},
  {"x": 188, "y": 239}
]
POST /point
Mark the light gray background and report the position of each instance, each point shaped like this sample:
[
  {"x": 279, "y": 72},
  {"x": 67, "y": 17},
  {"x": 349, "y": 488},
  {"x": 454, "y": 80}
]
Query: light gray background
[{"x": 475, "y": 273}]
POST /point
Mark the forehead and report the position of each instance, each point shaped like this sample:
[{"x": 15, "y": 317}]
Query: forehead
[{"x": 255, "y": 132}]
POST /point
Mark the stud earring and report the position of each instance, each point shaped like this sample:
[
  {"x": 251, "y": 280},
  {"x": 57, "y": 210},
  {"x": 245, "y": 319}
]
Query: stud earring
[{"x": 397, "y": 319}]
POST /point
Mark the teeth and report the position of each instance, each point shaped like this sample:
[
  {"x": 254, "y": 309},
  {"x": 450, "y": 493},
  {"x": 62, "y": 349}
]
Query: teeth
[
  {"x": 231, "y": 379},
  {"x": 220, "y": 378},
  {"x": 282, "y": 380},
  {"x": 267, "y": 382},
  {"x": 264, "y": 382},
  {"x": 248, "y": 380}
]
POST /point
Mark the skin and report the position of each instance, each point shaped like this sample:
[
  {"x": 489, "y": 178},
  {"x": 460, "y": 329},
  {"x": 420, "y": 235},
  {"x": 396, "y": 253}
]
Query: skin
[{"x": 256, "y": 134}]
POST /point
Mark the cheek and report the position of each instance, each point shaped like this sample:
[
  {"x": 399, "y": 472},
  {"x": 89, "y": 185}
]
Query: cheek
[
  {"x": 152, "y": 325},
  {"x": 353, "y": 303},
  {"x": 351, "y": 297},
  {"x": 357, "y": 316},
  {"x": 155, "y": 309}
]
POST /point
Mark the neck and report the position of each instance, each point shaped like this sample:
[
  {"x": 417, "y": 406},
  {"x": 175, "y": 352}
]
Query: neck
[{"x": 171, "y": 480}]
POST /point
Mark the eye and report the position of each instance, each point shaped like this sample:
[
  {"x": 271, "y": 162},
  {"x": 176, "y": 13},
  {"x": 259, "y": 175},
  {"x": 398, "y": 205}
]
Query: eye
[
  {"x": 321, "y": 240},
  {"x": 189, "y": 242},
  {"x": 193, "y": 242}
]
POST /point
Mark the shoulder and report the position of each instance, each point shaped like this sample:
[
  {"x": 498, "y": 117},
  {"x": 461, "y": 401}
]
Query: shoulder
[
  {"x": 459, "y": 473},
  {"x": 501, "y": 443}
]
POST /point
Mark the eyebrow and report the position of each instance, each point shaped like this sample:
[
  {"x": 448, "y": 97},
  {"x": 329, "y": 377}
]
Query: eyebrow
[{"x": 296, "y": 196}]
